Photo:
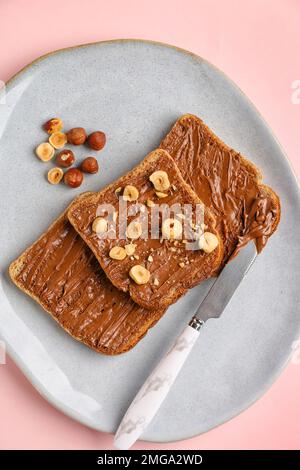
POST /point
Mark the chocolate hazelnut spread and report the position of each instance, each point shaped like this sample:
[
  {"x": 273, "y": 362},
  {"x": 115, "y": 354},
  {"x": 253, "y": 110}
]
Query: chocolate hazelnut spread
[
  {"x": 61, "y": 273},
  {"x": 228, "y": 184}
]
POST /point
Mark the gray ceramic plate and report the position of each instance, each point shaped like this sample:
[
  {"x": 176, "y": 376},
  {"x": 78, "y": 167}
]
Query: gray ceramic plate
[{"x": 134, "y": 91}]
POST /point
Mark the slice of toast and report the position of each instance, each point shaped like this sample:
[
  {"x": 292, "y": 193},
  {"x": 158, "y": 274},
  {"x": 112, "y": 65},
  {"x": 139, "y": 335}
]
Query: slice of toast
[
  {"x": 170, "y": 266},
  {"x": 229, "y": 184},
  {"x": 61, "y": 273}
]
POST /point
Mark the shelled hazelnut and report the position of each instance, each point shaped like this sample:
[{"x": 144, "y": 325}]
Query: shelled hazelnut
[
  {"x": 73, "y": 177},
  {"x": 76, "y": 136},
  {"x": 53, "y": 125},
  {"x": 96, "y": 140},
  {"x": 90, "y": 165},
  {"x": 65, "y": 158}
]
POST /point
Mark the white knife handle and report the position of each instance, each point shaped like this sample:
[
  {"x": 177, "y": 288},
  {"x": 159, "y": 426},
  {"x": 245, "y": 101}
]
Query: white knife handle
[{"x": 151, "y": 395}]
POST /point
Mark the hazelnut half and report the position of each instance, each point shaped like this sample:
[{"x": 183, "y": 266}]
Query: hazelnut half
[
  {"x": 100, "y": 225},
  {"x": 171, "y": 229},
  {"x": 55, "y": 175},
  {"x": 208, "y": 242},
  {"x": 45, "y": 151},
  {"x": 58, "y": 140},
  {"x": 160, "y": 180},
  {"x": 130, "y": 193},
  {"x": 139, "y": 274},
  {"x": 134, "y": 230},
  {"x": 117, "y": 252}
]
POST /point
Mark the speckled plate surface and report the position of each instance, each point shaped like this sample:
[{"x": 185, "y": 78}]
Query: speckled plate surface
[{"x": 134, "y": 91}]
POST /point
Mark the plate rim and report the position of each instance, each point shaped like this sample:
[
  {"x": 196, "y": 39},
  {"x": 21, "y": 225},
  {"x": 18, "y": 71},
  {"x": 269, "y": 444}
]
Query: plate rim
[{"x": 33, "y": 379}]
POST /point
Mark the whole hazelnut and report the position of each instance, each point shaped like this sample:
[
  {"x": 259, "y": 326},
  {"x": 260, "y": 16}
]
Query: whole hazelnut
[
  {"x": 65, "y": 158},
  {"x": 76, "y": 136},
  {"x": 90, "y": 165},
  {"x": 97, "y": 140},
  {"x": 73, "y": 177}
]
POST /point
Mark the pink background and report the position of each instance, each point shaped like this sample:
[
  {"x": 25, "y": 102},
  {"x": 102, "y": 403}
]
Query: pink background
[{"x": 255, "y": 42}]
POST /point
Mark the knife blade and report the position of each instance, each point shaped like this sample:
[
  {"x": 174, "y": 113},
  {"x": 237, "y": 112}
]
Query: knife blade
[
  {"x": 156, "y": 388},
  {"x": 218, "y": 296}
]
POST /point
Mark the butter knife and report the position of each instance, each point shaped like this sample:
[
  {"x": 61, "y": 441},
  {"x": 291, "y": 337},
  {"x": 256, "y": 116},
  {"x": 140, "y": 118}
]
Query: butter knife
[{"x": 154, "y": 391}]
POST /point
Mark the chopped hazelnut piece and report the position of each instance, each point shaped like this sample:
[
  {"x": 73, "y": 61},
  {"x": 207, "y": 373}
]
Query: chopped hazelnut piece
[
  {"x": 160, "y": 195},
  {"x": 150, "y": 203},
  {"x": 130, "y": 249}
]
